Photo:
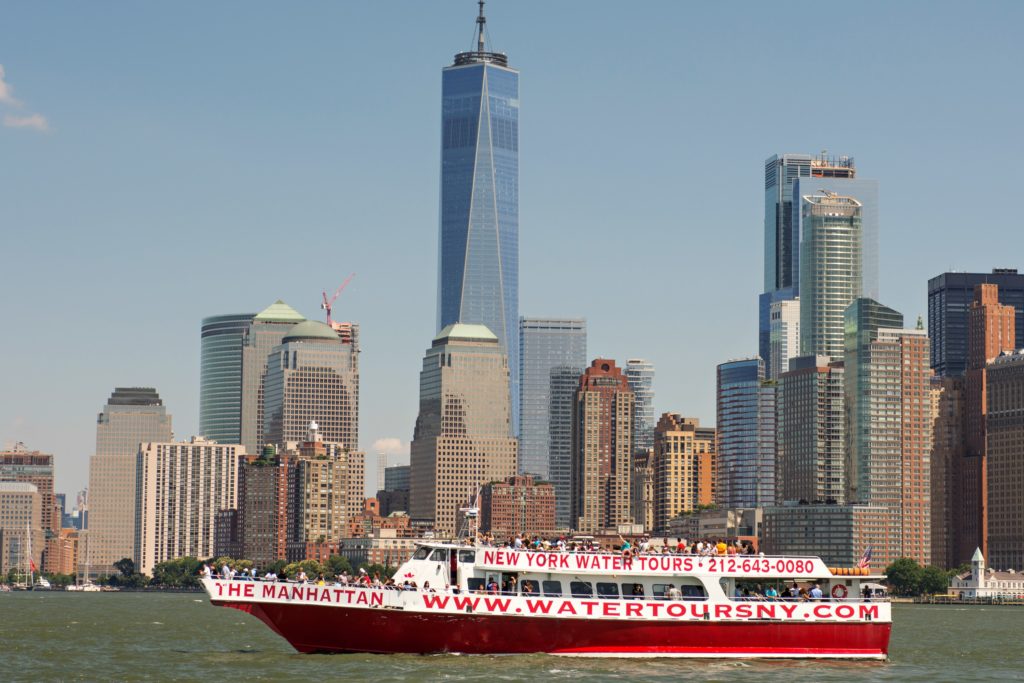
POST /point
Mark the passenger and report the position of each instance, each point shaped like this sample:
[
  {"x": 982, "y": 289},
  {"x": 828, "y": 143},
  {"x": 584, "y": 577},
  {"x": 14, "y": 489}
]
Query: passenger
[
  {"x": 720, "y": 547},
  {"x": 320, "y": 580},
  {"x": 638, "y": 591},
  {"x": 794, "y": 591},
  {"x": 301, "y": 577},
  {"x": 527, "y": 587},
  {"x": 492, "y": 587},
  {"x": 427, "y": 588},
  {"x": 674, "y": 593},
  {"x": 867, "y": 593},
  {"x": 771, "y": 593},
  {"x": 816, "y": 592}
]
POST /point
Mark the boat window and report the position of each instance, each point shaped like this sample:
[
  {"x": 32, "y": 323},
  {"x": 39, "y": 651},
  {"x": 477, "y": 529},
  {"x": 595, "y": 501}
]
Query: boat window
[
  {"x": 581, "y": 589},
  {"x": 475, "y": 585},
  {"x": 421, "y": 553},
  {"x": 552, "y": 589},
  {"x": 440, "y": 555},
  {"x": 660, "y": 591},
  {"x": 608, "y": 590},
  {"x": 529, "y": 587},
  {"x": 467, "y": 556},
  {"x": 693, "y": 592},
  {"x": 633, "y": 591}
]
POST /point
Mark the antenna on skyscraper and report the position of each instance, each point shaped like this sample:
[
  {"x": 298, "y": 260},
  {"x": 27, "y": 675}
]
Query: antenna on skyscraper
[{"x": 481, "y": 22}]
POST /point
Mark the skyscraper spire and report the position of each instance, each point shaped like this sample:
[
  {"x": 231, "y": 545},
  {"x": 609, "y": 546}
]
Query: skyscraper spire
[{"x": 481, "y": 22}]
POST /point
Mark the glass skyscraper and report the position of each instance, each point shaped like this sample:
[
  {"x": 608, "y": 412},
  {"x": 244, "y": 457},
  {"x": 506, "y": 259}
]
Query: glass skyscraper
[
  {"x": 746, "y": 435},
  {"x": 553, "y": 355},
  {"x": 478, "y": 269},
  {"x": 640, "y": 374}
]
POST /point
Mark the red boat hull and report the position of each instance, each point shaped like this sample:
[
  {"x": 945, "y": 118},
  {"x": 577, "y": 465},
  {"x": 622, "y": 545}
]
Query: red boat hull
[{"x": 312, "y": 628}]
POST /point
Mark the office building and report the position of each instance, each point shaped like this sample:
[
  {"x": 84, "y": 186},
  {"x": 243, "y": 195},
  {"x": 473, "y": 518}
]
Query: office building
[
  {"x": 180, "y": 489},
  {"x": 461, "y": 440},
  {"x": 947, "y": 448},
  {"x": 33, "y": 467},
  {"x": 1005, "y": 455},
  {"x": 517, "y": 506},
  {"x": 810, "y": 412},
  {"x": 131, "y": 416},
  {"x": 478, "y": 276},
  {"x": 264, "y": 485},
  {"x": 312, "y": 376},
  {"x": 547, "y": 346},
  {"x": 22, "y": 536},
  {"x": 682, "y": 467},
  {"x": 784, "y": 336},
  {"x": 602, "y": 437},
  {"x": 233, "y": 361},
  {"x": 640, "y": 375},
  {"x": 396, "y": 478},
  {"x": 838, "y": 534},
  {"x": 746, "y": 435},
  {"x": 949, "y": 302},
  {"x": 831, "y": 270}
]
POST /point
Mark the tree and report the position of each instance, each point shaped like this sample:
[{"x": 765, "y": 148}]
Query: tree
[
  {"x": 180, "y": 573},
  {"x": 933, "y": 580},
  {"x": 336, "y": 564},
  {"x": 904, "y": 576},
  {"x": 385, "y": 572},
  {"x": 312, "y": 568},
  {"x": 126, "y": 566}
]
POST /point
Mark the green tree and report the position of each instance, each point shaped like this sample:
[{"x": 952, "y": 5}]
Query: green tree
[
  {"x": 312, "y": 568},
  {"x": 385, "y": 572},
  {"x": 277, "y": 566},
  {"x": 336, "y": 564},
  {"x": 933, "y": 581},
  {"x": 904, "y": 576},
  {"x": 60, "y": 580},
  {"x": 180, "y": 573},
  {"x": 126, "y": 566}
]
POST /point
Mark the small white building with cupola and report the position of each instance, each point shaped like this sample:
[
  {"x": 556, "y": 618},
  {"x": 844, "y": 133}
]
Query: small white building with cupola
[{"x": 983, "y": 582}]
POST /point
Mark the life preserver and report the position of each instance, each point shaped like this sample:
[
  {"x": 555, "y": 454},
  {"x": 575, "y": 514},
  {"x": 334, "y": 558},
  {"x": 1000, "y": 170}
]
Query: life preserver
[{"x": 839, "y": 591}]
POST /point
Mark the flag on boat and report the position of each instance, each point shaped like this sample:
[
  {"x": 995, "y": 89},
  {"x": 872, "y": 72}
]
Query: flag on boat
[
  {"x": 865, "y": 559},
  {"x": 32, "y": 565}
]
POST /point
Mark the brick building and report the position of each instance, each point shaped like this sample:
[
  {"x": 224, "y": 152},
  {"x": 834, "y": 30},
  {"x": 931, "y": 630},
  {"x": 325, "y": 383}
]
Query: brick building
[{"x": 518, "y": 505}]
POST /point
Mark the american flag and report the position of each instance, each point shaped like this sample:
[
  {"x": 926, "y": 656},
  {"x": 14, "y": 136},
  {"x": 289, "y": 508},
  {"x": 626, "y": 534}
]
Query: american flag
[{"x": 865, "y": 559}]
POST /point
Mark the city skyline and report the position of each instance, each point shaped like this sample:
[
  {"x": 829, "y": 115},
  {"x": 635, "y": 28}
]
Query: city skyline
[{"x": 81, "y": 232}]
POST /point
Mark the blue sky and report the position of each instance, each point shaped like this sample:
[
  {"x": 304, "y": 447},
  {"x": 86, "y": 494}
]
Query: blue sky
[{"x": 207, "y": 158}]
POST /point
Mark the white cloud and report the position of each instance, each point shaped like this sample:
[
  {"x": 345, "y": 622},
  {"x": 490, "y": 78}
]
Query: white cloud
[
  {"x": 6, "y": 90},
  {"x": 33, "y": 121},
  {"x": 390, "y": 446}
]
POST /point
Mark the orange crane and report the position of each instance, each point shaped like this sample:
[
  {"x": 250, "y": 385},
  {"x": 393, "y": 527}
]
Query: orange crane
[{"x": 327, "y": 305}]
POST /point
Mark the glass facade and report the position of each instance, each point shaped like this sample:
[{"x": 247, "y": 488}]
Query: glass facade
[
  {"x": 949, "y": 301},
  {"x": 220, "y": 376},
  {"x": 746, "y": 435},
  {"x": 640, "y": 374},
  {"x": 478, "y": 254},
  {"x": 831, "y": 270},
  {"x": 547, "y": 347}
]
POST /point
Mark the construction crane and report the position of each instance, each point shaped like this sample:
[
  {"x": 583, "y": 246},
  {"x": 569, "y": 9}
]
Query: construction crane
[{"x": 328, "y": 305}]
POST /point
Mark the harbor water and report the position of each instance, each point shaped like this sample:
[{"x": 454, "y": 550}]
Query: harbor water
[{"x": 179, "y": 636}]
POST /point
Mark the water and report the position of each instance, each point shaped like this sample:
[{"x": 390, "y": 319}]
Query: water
[{"x": 158, "y": 637}]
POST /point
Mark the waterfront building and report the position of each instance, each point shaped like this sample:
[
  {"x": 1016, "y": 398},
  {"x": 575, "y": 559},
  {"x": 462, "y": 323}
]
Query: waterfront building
[
  {"x": 518, "y": 506},
  {"x": 838, "y": 534},
  {"x": 987, "y": 583},
  {"x": 947, "y": 448},
  {"x": 327, "y": 492},
  {"x": 478, "y": 264},
  {"x": 1004, "y": 434},
  {"x": 991, "y": 330},
  {"x": 810, "y": 411},
  {"x": 21, "y": 527},
  {"x": 743, "y": 524},
  {"x": 371, "y": 519},
  {"x": 386, "y": 547},
  {"x": 602, "y": 438},
  {"x": 233, "y": 361},
  {"x": 34, "y": 467},
  {"x": 890, "y": 423},
  {"x": 547, "y": 347},
  {"x": 131, "y": 416},
  {"x": 784, "y": 336},
  {"x": 312, "y": 376},
  {"x": 683, "y": 468},
  {"x": 461, "y": 440},
  {"x": 831, "y": 270},
  {"x": 180, "y": 489},
  {"x": 264, "y": 485},
  {"x": 745, "y": 408},
  {"x": 950, "y": 296}
]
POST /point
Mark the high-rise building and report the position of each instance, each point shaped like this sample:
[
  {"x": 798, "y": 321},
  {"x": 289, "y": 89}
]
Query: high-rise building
[
  {"x": 478, "y": 276},
  {"x": 21, "y": 527},
  {"x": 461, "y": 440},
  {"x": 312, "y": 376},
  {"x": 396, "y": 478},
  {"x": 33, "y": 467},
  {"x": 181, "y": 486},
  {"x": 838, "y": 534},
  {"x": 565, "y": 381},
  {"x": 746, "y": 435},
  {"x": 602, "y": 437},
  {"x": 1005, "y": 454},
  {"x": 809, "y": 462},
  {"x": 831, "y": 270},
  {"x": 990, "y": 331},
  {"x": 683, "y": 468},
  {"x": 264, "y": 483},
  {"x": 863, "y": 319},
  {"x": 517, "y": 505},
  {"x": 784, "y": 336},
  {"x": 641, "y": 488},
  {"x": 890, "y": 423},
  {"x": 132, "y": 416},
  {"x": 234, "y": 353},
  {"x": 547, "y": 346},
  {"x": 949, "y": 302},
  {"x": 640, "y": 375},
  {"x": 947, "y": 448}
]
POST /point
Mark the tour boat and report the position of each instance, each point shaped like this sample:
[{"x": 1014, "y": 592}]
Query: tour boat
[{"x": 487, "y": 600}]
